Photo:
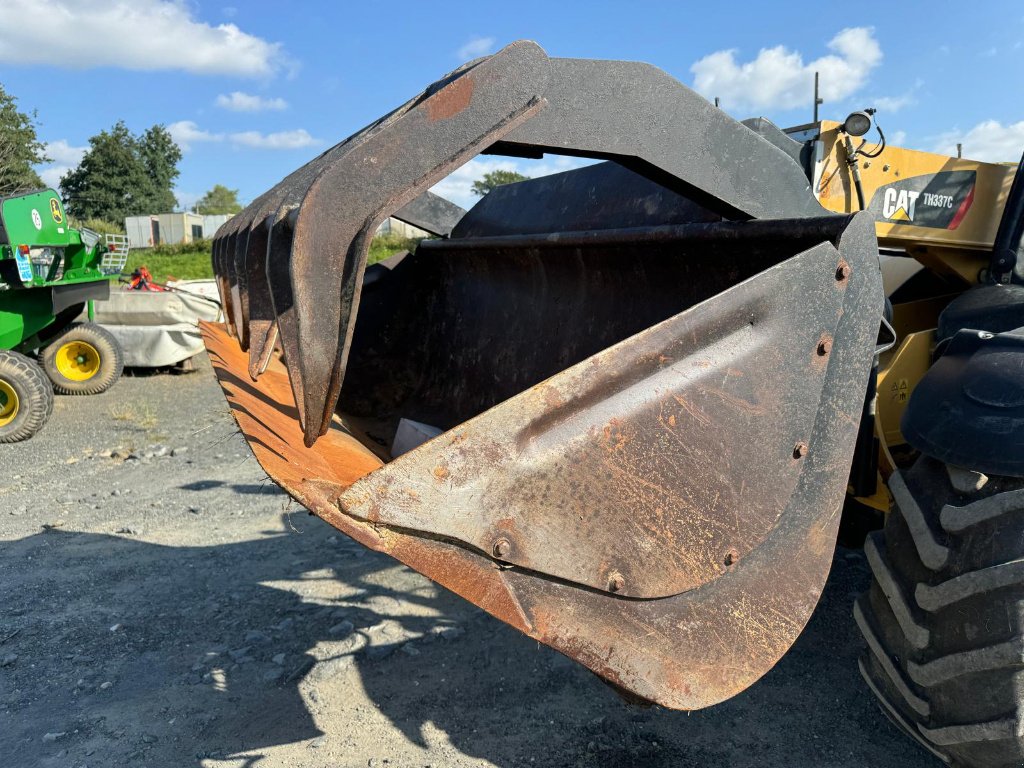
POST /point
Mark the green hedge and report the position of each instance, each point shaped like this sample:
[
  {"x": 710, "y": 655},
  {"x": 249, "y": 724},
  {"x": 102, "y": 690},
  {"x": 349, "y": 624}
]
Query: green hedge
[{"x": 196, "y": 246}]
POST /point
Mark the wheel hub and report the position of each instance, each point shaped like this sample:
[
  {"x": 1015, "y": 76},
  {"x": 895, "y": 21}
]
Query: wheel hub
[
  {"x": 77, "y": 361},
  {"x": 9, "y": 403}
]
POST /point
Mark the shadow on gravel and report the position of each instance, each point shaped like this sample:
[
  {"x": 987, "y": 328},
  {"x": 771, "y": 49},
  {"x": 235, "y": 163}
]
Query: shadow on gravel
[
  {"x": 260, "y": 489},
  {"x": 131, "y": 653}
]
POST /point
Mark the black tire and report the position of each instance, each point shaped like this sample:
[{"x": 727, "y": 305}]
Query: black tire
[
  {"x": 21, "y": 419},
  {"x": 944, "y": 618},
  {"x": 102, "y": 373}
]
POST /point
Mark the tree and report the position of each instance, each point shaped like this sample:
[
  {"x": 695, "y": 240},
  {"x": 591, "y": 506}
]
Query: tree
[
  {"x": 220, "y": 199},
  {"x": 20, "y": 148},
  {"x": 495, "y": 179},
  {"x": 123, "y": 175},
  {"x": 161, "y": 156}
]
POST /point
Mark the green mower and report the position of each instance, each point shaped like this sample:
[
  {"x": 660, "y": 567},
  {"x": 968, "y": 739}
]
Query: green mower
[{"x": 49, "y": 273}]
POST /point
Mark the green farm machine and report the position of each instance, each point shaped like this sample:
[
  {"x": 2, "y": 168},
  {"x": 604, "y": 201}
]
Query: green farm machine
[{"x": 49, "y": 273}]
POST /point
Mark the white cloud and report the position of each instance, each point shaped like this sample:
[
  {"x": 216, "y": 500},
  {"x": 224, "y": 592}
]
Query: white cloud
[
  {"x": 457, "y": 187},
  {"x": 63, "y": 157},
  {"x": 237, "y": 101},
  {"x": 893, "y": 103},
  {"x": 779, "y": 79},
  {"x": 186, "y": 133},
  {"x": 898, "y": 138},
  {"x": 475, "y": 48},
  {"x": 989, "y": 140},
  {"x": 896, "y": 103},
  {"x": 132, "y": 34},
  {"x": 61, "y": 152},
  {"x": 281, "y": 140}
]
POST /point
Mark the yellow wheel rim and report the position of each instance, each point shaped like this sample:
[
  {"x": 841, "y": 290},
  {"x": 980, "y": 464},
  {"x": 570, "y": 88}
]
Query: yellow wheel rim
[
  {"x": 77, "y": 361},
  {"x": 8, "y": 403}
]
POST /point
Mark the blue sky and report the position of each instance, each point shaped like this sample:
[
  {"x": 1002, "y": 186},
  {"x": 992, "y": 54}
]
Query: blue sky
[{"x": 252, "y": 90}]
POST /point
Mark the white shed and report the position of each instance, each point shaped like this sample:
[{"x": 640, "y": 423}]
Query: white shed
[{"x": 156, "y": 229}]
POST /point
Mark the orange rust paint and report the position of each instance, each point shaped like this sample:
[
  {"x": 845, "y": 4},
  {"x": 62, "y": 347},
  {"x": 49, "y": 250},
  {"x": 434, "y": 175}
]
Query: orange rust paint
[
  {"x": 441, "y": 473},
  {"x": 265, "y": 412},
  {"x": 451, "y": 100}
]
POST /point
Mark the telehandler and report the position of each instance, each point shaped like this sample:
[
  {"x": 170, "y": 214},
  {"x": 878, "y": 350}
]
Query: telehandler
[{"x": 645, "y": 390}]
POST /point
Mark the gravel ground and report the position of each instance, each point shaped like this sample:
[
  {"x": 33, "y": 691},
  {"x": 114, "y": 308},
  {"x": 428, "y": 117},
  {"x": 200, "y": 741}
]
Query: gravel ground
[{"x": 162, "y": 604}]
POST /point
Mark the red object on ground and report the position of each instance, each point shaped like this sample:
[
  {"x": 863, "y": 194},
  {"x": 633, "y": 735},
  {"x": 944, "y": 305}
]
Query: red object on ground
[{"x": 142, "y": 280}]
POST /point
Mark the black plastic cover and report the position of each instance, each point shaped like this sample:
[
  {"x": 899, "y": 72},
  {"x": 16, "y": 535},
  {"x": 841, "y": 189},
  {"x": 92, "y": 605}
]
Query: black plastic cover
[{"x": 993, "y": 308}]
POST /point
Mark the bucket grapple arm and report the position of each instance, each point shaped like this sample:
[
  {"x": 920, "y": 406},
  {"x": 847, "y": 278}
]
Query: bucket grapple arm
[{"x": 648, "y": 374}]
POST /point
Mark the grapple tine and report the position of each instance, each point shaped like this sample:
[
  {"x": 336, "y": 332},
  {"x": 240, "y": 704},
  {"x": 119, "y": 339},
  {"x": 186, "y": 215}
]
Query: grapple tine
[
  {"x": 452, "y": 123},
  {"x": 215, "y": 250},
  {"x": 225, "y": 244},
  {"x": 279, "y": 280},
  {"x": 261, "y": 309},
  {"x": 240, "y": 288},
  {"x": 267, "y": 343},
  {"x": 228, "y": 266}
]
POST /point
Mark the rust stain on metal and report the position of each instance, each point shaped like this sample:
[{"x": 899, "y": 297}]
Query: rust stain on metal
[{"x": 451, "y": 100}]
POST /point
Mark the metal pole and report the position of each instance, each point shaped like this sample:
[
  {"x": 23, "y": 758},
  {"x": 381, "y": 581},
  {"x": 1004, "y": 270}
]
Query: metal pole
[{"x": 817, "y": 99}]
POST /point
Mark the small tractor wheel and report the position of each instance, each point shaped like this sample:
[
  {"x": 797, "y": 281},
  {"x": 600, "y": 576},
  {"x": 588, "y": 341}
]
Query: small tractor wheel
[
  {"x": 26, "y": 397},
  {"x": 944, "y": 618},
  {"x": 83, "y": 360}
]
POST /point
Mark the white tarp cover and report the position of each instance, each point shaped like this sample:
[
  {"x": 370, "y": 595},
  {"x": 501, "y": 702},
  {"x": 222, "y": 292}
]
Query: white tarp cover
[{"x": 157, "y": 328}]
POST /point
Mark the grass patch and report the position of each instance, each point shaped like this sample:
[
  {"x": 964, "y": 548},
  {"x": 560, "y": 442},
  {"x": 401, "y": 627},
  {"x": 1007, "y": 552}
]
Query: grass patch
[
  {"x": 384, "y": 246},
  {"x": 191, "y": 261},
  {"x": 186, "y": 265},
  {"x": 142, "y": 417}
]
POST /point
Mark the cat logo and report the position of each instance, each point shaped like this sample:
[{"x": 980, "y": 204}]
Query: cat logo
[
  {"x": 899, "y": 204},
  {"x": 55, "y": 210}
]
